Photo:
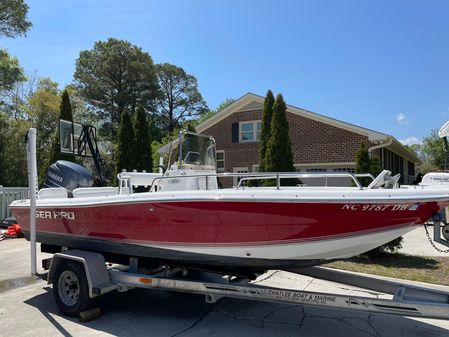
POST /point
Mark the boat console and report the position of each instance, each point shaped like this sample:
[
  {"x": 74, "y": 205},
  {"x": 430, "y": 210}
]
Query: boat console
[{"x": 191, "y": 164}]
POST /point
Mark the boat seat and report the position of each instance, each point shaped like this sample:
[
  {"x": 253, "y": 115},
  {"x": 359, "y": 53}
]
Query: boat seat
[
  {"x": 379, "y": 180},
  {"x": 84, "y": 192},
  {"x": 52, "y": 193},
  {"x": 392, "y": 182},
  {"x": 139, "y": 178}
]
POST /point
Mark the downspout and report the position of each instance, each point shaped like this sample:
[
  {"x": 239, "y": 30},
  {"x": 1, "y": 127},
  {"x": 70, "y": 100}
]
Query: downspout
[{"x": 379, "y": 146}]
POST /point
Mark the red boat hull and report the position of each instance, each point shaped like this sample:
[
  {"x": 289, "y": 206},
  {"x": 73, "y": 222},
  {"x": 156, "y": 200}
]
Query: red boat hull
[
  {"x": 238, "y": 236},
  {"x": 226, "y": 223}
]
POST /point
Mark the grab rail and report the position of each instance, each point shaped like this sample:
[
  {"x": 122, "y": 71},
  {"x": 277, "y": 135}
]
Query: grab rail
[
  {"x": 279, "y": 176},
  {"x": 270, "y": 175}
]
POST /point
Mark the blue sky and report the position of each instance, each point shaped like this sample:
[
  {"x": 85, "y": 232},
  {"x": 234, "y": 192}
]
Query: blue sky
[{"x": 379, "y": 64}]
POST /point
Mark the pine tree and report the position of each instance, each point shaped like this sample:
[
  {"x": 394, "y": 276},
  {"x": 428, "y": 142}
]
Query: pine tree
[
  {"x": 279, "y": 155},
  {"x": 143, "y": 153},
  {"x": 125, "y": 146},
  {"x": 265, "y": 127}
]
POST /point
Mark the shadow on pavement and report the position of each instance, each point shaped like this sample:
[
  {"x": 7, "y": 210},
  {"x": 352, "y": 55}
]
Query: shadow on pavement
[
  {"x": 161, "y": 313},
  {"x": 46, "y": 305},
  {"x": 400, "y": 261}
]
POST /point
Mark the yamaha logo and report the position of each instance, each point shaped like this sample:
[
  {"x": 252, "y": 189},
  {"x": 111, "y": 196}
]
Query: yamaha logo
[{"x": 55, "y": 176}]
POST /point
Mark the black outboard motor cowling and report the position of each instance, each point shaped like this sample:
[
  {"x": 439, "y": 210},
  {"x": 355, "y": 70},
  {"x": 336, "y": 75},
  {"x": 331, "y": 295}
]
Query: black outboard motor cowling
[{"x": 68, "y": 175}]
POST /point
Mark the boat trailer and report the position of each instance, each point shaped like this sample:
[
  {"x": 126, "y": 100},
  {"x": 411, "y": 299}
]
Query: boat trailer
[{"x": 80, "y": 277}]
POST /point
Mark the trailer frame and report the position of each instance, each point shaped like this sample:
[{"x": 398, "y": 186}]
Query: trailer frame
[{"x": 407, "y": 300}]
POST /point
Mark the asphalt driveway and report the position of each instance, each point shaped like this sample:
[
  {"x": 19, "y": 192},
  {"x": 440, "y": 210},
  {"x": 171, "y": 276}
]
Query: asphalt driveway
[{"x": 31, "y": 311}]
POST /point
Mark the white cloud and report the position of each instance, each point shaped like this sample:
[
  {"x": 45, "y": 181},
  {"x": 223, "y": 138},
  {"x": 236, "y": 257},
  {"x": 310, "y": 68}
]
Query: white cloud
[
  {"x": 402, "y": 119},
  {"x": 410, "y": 141}
]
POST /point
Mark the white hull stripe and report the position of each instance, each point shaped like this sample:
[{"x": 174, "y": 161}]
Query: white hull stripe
[{"x": 323, "y": 249}]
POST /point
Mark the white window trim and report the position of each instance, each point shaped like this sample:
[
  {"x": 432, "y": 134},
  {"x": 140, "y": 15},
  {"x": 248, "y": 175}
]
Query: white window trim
[
  {"x": 330, "y": 167},
  {"x": 223, "y": 160},
  {"x": 350, "y": 163},
  {"x": 254, "y": 123},
  {"x": 235, "y": 170}
]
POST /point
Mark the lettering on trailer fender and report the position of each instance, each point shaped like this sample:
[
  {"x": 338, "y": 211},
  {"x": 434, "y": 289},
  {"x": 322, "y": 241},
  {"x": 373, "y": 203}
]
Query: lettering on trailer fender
[{"x": 302, "y": 297}]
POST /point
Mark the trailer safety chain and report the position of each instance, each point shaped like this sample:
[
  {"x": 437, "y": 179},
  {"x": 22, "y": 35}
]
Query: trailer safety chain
[{"x": 433, "y": 243}]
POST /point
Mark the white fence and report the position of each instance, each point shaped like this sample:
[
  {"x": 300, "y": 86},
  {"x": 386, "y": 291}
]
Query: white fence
[{"x": 9, "y": 194}]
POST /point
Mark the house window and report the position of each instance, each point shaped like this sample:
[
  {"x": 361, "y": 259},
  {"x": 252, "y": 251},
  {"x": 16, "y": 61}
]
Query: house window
[
  {"x": 411, "y": 168},
  {"x": 344, "y": 169},
  {"x": 249, "y": 131},
  {"x": 220, "y": 161},
  {"x": 316, "y": 170}
]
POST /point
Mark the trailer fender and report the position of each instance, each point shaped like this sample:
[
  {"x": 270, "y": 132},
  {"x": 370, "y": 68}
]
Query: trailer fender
[{"x": 93, "y": 263}]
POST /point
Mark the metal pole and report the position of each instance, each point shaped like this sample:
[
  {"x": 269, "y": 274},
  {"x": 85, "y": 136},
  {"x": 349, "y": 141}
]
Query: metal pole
[
  {"x": 445, "y": 153},
  {"x": 181, "y": 134},
  {"x": 32, "y": 182},
  {"x": 161, "y": 164}
]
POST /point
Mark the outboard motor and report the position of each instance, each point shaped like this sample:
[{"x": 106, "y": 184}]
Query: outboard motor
[{"x": 68, "y": 175}]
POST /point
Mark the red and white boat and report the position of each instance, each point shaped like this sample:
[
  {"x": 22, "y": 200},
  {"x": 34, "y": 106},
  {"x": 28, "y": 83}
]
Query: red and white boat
[{"x": 186, "y": 220}]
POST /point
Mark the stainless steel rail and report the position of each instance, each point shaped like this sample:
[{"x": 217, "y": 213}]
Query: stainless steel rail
[{"x": 270, "y": 175}]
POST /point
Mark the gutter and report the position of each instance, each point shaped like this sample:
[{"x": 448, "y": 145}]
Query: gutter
[{"x": 379, "y": 146}]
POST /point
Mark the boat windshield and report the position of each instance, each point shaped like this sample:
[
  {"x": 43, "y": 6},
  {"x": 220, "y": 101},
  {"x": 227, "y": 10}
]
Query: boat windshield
[{"x": 195, "y": 150}]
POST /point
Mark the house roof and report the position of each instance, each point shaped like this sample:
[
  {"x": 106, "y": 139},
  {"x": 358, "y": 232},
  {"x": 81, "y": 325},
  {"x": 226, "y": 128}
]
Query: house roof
[
  {"x": 249, "y": 101},
  {"x": 250, "y": 98}
]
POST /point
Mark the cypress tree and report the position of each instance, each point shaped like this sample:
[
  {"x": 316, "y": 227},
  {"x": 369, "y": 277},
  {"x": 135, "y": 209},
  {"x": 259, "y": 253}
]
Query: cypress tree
[
  {"x": 363, "y": 162},
  {"x": 65, "y": 113},
  {"x": 265, "y": 127},
  {"x": 279, "y": 155},
  {"x": 143, "y": 153},
  {"x": 375, "y": 166},
  {"x": 66, "y": 107},
  {"x": 125, "y": 144}
]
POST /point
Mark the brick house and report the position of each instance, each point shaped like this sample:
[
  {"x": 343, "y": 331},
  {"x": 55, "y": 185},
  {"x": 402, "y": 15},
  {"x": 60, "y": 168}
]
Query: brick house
[{"x": 319, "y": 143}]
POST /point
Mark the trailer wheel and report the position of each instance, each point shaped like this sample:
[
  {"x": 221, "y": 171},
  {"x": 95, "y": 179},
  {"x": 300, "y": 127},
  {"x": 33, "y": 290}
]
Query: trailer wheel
[
  {"x": 445, "y": 232},
  {"x": 70, "y": 288}
]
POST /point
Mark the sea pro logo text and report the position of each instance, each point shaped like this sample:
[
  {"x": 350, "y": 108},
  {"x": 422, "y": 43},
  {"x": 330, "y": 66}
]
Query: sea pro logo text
[{"x": 55, "y": 215}]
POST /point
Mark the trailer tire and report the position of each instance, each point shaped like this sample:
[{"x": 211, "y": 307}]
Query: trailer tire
[{"x": 70, "y": 288}]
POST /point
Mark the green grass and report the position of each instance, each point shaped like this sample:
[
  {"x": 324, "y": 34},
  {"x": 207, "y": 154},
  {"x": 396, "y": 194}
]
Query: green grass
[{"x": 407, "y": 267}]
